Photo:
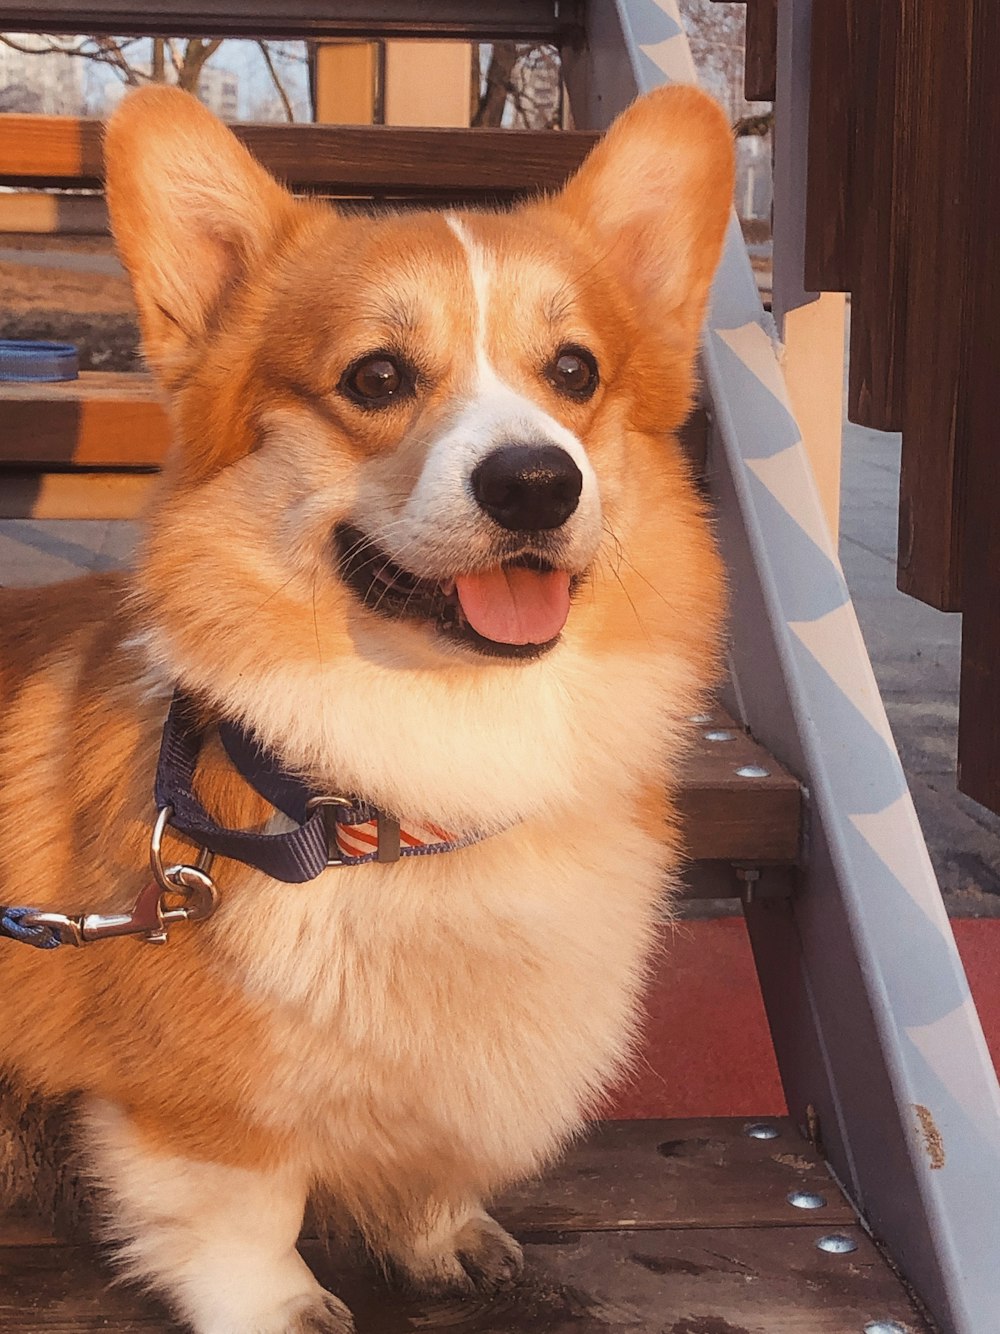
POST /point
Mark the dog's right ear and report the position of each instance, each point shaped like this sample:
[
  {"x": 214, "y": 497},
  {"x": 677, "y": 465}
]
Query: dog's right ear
[{"x": 191, "y": 212}]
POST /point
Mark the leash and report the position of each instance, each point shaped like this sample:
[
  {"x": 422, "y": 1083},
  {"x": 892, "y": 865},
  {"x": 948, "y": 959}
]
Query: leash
[{"x": 330, "y": 830}]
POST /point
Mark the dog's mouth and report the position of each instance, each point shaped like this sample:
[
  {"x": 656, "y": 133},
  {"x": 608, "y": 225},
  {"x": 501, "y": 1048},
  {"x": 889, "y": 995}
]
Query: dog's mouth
[{"x": 516, "y": 609}]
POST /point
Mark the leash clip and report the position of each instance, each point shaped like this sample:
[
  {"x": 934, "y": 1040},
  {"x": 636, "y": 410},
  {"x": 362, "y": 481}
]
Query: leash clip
[{"x": 154, "y": 910}]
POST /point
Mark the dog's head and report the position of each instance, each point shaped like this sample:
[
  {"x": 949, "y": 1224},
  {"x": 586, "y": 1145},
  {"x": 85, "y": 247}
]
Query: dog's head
[{"x": 432, "y": 410}]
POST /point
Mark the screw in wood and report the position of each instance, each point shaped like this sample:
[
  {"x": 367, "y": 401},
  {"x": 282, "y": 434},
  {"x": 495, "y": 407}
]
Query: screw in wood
[
  {"x": 753, "y": 771},
  {"x": 760, "y": 1130},
  {"x": 806, "y": 1199},
  {"x": 837, "y": 1243},
  {"x": 720, "y": 734},
  {"x": 884, "y": 1327}
]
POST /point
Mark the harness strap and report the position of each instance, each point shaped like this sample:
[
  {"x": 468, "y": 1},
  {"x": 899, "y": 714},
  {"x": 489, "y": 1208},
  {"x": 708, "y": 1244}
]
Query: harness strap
[
  {"x": 294, "y": 857},
  {"x": 331, "y": 830}
]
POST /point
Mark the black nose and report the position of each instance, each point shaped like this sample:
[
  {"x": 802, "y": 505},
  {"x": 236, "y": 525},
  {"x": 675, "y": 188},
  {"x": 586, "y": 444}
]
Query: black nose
[{"x": 528, "y": 487}]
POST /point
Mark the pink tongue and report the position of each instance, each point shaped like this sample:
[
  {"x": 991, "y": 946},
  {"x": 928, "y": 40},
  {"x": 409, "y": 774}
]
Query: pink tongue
[{"x": 515, "y": 606}]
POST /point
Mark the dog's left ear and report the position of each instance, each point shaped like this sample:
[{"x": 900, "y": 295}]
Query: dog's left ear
[
  {"x": 655, "y": 196},
  {"x": 192, "y": 213}
]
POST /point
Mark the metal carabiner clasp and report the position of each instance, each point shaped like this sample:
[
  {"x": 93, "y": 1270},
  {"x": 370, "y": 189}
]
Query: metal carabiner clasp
[{"x": 155, "y": 908}]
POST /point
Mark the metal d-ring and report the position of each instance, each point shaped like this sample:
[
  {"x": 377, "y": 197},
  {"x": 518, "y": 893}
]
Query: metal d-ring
[
  {"x": 192, "y": 882},
  {"x": 160, "y": 873}
]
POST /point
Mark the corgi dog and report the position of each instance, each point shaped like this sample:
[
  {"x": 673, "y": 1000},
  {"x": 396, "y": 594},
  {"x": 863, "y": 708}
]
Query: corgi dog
[{"x": 426, "y": 540}]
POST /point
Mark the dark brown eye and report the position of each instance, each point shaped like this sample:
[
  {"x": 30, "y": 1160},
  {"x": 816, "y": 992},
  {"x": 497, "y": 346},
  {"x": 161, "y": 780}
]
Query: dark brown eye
[
  {"x": 574, "y": 372},
  {"x": 374, "y": 382}
]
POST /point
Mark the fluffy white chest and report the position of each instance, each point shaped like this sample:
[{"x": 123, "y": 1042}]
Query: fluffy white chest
[{"x": 480, "y": 996}]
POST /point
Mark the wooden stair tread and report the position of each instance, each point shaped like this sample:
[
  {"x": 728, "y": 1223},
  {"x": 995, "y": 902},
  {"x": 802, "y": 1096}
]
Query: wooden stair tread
[
  {"x": 523, "y": 20},
  {"x": 104, "y": 419},
  {"x": 362, "y": 160},
  {"x": 752, "y": 817},
  {"x": 589, "y": 1269},
  {"x": 114, "y": 419}
]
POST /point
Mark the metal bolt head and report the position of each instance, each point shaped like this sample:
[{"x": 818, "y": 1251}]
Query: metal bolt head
[
  {"x": 885, "y": 1327},
  {"x": 806, "y": 1199},
  {"x": 760, "y": 1130},
  {"x": 701, "y": 719},
  {"x": 837, "y": 1243},
  {"x": 720, "y": 734},
  {"x": 753, "y": 771}
]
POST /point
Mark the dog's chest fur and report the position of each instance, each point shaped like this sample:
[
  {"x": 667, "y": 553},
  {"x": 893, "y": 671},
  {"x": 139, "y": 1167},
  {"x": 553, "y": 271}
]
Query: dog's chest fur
[{"x": 464, "y": 1004}]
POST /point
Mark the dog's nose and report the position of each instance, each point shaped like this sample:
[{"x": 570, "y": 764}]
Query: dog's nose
[{"x": 528, "y": 487}]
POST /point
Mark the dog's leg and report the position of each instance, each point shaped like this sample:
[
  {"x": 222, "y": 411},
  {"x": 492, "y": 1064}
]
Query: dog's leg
[
  {"x": 456, "y": 1251},
  {"x": 216, "y": 1242}
]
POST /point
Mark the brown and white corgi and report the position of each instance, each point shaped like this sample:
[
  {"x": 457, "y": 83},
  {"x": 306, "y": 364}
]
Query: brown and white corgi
[{"x": 425, "y": 534}]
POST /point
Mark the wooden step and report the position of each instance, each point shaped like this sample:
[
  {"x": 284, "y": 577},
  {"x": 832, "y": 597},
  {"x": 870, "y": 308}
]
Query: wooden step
[
  {"x": 647, "y": 1227},
  {"x": 522, "y": 20},
  {"x": 737, "y": 803},
  {"x": 105, "y": 419},
  {"x": 114, "y": 419},
  {"x": 354, "y": 160}
]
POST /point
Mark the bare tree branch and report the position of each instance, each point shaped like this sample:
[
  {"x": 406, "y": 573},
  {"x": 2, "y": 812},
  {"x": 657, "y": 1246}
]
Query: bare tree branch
[
  {"x": 32, "y": 50},
  {"x": 166, "y": 60},
  {"x": 279, "y": 88},
  {"x": 748, "y": 126}
]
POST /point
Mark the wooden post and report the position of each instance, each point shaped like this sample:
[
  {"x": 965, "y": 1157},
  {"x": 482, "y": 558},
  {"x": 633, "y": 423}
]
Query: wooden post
[
  {"x": 346, "y": 82},
  {"x": 427, "y": 83},
  {"x": 811, "y": 324},
  {"x": 979, "y": 717}
]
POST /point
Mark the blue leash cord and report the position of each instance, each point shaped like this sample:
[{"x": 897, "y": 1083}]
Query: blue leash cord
[{"x": 11, "y": 925}]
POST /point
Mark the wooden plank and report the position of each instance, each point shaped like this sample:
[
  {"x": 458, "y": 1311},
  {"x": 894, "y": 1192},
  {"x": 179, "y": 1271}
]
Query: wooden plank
[
  {"x": 105, "y": 419},
  {"x": 881, "y": 201},
  {"x": 60, "y": 151},
  {"x": 625, "y": 1235},
  {"x": 712, "y": 1281},
  {"x": 74, "y": 495},
  {"x": 40, "y": 213},
  {"x": 728, "y": 816},
  {"x": 831, "y": 148},
  {"x": 644, "y": 1175},
  {"x": 761, "y": 55},
  {"x": 109, "y": 419},
  {"x": 930, "y": 513},
  {"x": 979, "y": 717},
  {"x": 522, "y": 20}
]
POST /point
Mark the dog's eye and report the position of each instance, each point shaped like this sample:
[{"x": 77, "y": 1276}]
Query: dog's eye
[
  {"x": 573, "y": 372},
  {"x": 374, "y": 382}
]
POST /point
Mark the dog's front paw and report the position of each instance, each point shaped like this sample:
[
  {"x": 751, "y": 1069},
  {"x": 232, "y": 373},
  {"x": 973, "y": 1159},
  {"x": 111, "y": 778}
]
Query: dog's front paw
[
  {"x": 479, "y": 1256},
  {"x": 489, "y": 1254},
  {"x": 321, "y": 1313},
  {"x": 314, "y": 1311}
]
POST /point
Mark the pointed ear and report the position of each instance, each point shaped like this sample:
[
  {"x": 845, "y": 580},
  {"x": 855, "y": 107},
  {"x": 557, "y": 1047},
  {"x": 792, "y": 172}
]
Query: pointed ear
[
  {"x": 656, "y": 195},
  {"x": 191, "y": 212}
]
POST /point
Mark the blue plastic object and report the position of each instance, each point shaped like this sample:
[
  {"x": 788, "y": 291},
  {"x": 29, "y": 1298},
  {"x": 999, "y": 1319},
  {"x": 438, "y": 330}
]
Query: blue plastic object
[{"x": 26, "y": 360}]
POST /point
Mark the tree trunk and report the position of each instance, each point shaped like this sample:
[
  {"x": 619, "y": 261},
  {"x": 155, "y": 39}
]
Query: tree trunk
[{"x": 493, "y": 101}]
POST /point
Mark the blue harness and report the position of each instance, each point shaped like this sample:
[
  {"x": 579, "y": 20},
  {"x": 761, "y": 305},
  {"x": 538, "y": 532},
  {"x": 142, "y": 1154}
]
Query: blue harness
[{"x": 329, "y": 831}]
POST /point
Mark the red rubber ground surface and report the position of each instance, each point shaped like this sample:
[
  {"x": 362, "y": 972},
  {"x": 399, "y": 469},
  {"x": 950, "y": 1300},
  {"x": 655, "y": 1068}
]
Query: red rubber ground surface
[{"x": 707, "y": 1050}]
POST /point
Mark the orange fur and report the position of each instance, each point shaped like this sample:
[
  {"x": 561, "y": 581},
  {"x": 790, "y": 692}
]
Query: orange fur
[{"x": 414, "y": 1036}]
